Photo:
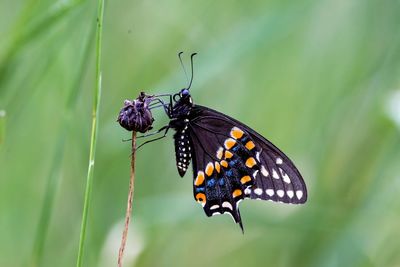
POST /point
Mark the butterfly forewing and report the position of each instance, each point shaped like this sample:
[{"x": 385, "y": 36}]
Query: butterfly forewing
[{"x": 278, "y": 177}]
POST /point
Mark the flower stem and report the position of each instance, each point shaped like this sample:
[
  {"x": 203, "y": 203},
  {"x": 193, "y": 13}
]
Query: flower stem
[{"x": 130, "y": 200}]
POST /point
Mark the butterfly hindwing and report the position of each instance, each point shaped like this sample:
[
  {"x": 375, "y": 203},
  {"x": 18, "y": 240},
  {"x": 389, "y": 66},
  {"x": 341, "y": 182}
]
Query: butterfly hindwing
[
  {"x": 255, "y": 168},
  {"x": 220, "y": 177}
]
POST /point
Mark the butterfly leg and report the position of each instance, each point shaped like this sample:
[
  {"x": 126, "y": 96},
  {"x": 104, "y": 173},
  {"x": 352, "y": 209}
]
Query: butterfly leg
[
  {"x": 160, "y": 103},
  {"x": 167, "y": 107},
  {"x": 147, "y": 135},
  {"x": 154, "y": 133},
  {"x": 166, "y": 128}
]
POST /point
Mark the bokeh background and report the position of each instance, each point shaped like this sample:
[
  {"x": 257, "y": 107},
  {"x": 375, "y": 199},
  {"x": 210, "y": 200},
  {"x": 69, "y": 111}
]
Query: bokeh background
[{"x": 319, "y": 78}]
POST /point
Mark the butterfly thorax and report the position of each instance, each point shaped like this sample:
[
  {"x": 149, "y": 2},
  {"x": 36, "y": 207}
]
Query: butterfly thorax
[{"x": 182, "y": 107}]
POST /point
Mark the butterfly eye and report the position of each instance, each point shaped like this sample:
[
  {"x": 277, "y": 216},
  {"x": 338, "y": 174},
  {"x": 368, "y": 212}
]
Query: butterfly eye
[{"x": 185, "y": 92}]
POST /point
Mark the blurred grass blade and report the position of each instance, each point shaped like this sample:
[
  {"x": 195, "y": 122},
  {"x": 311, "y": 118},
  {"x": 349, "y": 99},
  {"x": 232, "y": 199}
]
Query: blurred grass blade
[
  {"x": 48, "y": 201},
  {"x": 54, "y": 174},
  {"x": 26, "y": 30},
  {"x": 2, "y": 126},
  {"x": 93, "y": 139}
]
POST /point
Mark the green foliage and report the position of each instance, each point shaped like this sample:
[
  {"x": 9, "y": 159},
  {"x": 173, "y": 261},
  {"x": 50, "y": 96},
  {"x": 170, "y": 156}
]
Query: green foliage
[
  {"x": 2, "y": 126},
  {"x": 314, "y": 77}
]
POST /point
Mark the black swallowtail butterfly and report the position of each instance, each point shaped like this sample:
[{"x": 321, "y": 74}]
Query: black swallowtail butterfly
[{"x": 231, "y": 162}]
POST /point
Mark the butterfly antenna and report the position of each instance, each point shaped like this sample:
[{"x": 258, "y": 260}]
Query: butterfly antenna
[
  {"x": 191, "y": 65},
  {"x": 183, "y": 67}
]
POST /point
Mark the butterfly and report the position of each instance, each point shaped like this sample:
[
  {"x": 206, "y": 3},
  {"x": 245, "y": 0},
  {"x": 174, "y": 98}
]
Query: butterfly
[{"x": 230, "y": 161}]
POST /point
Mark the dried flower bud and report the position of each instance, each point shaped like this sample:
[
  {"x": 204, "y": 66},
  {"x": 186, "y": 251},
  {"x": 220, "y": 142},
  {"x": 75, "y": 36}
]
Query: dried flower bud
[{"x": 136, "y": 115}]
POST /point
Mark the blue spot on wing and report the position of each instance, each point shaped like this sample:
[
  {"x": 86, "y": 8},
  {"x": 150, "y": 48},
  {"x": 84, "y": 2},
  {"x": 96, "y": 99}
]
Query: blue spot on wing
[
  {"x": 211, "y": 182},
  {"x": 200, "y": 189}
]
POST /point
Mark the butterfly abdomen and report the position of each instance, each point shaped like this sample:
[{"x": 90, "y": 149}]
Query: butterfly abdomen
[{"x": 182, "y": 145}]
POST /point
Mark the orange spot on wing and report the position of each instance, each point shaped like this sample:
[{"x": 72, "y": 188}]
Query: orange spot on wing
[
  {"x": 201, "y": 198},
  {"x": 199, "y": 179},
  {"x": 220, "y": 153},
  {"x": 237, "y": 193},
  {"x": 236, "y": 133},
  {"x": 250, "y": 145},
  {"x": 228, "y": 154},
  {"x": 229, "y": 143},
  {"x": 217, "y": 167},
  {"x": 209, "y": 169},
  {"x": 245, "y": 179},
  {"x": 250, "y": 162},
  {"x": 224, "y": 163}
]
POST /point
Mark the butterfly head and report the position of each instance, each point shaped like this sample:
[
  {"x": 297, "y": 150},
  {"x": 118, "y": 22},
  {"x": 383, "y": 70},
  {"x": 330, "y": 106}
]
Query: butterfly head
[
  {"x": 183, "y": 103},
  {"x": 184, "y": 92},
  {"x": 183, "y": 97}
]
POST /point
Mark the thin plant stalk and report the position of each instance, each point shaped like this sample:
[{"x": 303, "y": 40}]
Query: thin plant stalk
[
  {"x": 130, "y": 200},
  {"x": 93, "y": 139}
]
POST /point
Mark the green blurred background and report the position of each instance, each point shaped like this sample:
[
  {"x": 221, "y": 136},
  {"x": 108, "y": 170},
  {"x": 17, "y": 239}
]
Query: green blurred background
[{"x": 319, "y": 78}]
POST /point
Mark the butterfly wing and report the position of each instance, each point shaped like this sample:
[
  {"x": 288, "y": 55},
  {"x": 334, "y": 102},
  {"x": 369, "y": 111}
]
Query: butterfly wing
[{"x": 232, "y": 162}]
